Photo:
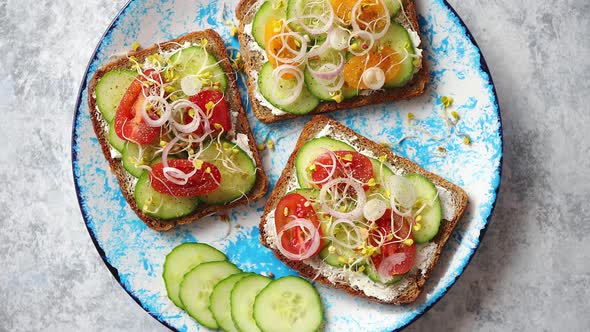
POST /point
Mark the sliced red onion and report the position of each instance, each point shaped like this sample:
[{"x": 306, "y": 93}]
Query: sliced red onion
[
  {"x": 374, "y": 209},
  {"x": 318, "y": 50},
  {"x": 299, "y": 54},
  {"x": 293, "y": 93},
  {"x": 322, "y": 29},
  {"x": 190, "y": 85},
  {"x": 173, "y": 174},
  {"x": 354, "y": 227},
  {"x": 158, "y": 102},
  {"x": 373, "y": 78},
  {"x": 366, "y": 37},
  {"x": 314, "y": 236},
  {"x": 167, "y": 149},
  {"x": 375, "y": 35},
  {"x": 177, "y": 176},
  {"x": 389, "y": 263},
  {"x": 181, "y": 105},
  {"x": 361, "y": 198},
  {"x": 328, "y": 71},
  {"x": 333, "y": 85}
]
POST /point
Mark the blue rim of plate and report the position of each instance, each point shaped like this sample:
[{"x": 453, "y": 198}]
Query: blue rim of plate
[{"x": 483, "y": 66}]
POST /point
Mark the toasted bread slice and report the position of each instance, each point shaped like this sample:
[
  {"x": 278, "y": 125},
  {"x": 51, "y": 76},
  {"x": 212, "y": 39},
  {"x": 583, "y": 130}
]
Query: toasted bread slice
[
  {"x": 408, "y": 289},
  {"x": 126, "y": 181},
  {"x": 254, "y": 59}
]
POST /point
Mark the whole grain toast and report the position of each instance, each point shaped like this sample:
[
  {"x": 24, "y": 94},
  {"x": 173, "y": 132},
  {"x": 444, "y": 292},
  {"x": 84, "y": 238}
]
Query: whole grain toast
[
  {"x": 253, "y": 61},
  {"x": 216, "y": 47},
  {"x": 417, "y": 278}
]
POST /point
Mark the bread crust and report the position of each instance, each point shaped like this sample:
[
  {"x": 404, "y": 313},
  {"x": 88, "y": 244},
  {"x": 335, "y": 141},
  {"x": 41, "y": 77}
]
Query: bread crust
[
  {"x": 216, "y": 47},
  {"x": 253, "y": 61},
  {"x": 310, "y": 130}
]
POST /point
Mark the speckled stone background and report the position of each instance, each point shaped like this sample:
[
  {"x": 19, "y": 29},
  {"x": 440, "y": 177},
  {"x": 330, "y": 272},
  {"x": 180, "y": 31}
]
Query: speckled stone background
[{"x": 532, "y": 271}]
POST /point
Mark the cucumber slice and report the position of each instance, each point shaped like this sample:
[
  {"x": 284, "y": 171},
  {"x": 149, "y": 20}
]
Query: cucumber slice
[
  {"x": 220, "y": 301},
  {"x": 393, "y": 6},
  {"x": 431, "y": 216},
  {"x": 349, "y": 92},
  {"x": 158, "y": 205},
  {"x": 317, "y": 87},
  {"x": 114, "y": 140},
  {"x": 305, "y": 103},
  {"x": 181, "y": 260},
  {"x": 134, "y": 156},
  {"x": 110, "y": 90},
  {"x": 310, "y": 151},
  {"x": 235, "y": 182},
  {"x": 295, "y": 10},
  {"x": 242, "y": 301},
  {"x": 398, "y": 39},
  {"x": 372, "y": 274},
  {"x": 382, "y": 172},
  {"x": 197, "y": 286},
  {"x": 341, "y": 255},
  {"x": 289, "y": 304},
  {"x": 265, "y": 13},
  {"x": 190, "y": 61}
]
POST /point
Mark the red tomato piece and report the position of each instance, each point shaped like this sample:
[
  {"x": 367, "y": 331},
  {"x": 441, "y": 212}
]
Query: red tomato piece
[
  {"x": 348, "y": 164},
  {"x": 219, "y": 114},
  {"x": 402, "y": 229},
  {"x": 129, "y": 123},
  {"x": 205, "y": 180},
  {"x": 293, "y": 240}
]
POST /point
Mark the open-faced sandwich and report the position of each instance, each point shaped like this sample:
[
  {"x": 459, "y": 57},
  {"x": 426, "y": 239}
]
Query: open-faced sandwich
[
  {"x": 317, "y": 56},
  {"x": 350, "y": 214},
  {"x": 171, "y": 124}
]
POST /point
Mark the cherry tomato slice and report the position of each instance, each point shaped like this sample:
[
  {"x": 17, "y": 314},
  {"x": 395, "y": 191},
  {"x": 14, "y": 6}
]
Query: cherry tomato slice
[
  {"x": 218, "y": 114},
  {"x": 129, "y": 123},
  {"x": 402, "y": 229},
  {"x": 204, "y": 181},
  {"x": 293, "y": 240},
  {"x": 348, "y": 164}
]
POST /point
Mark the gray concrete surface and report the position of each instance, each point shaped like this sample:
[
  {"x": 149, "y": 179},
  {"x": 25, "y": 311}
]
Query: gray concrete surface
[{"x": 531, "y": 273}]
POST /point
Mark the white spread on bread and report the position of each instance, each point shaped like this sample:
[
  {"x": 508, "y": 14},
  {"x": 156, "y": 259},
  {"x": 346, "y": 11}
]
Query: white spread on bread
[{"x": 242, "y": 141}]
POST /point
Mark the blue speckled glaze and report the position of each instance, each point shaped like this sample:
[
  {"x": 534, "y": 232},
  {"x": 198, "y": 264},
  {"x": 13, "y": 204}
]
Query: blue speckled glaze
[{"x": 135, "y": 254}]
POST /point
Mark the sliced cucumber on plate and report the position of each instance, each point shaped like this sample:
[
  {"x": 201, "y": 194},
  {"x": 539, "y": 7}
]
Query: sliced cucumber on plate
[
  {"x": 197, "y": 286},
  {"x": 274, "y": 93},
  {"x": 288, "y": 304},
  {"x": 219, "y": 302},
  {"x": 181, "y": 260},
  {"x": 242, "y": 301}
]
